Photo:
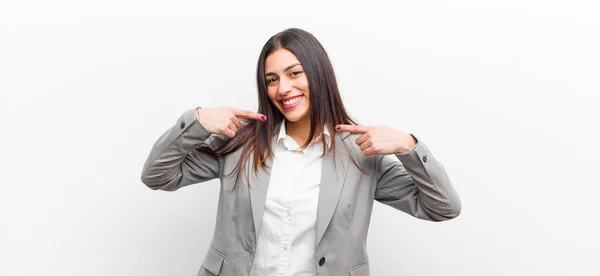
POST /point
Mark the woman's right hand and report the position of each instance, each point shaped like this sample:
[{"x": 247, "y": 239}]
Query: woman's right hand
[{"x": 225, "y": 120}]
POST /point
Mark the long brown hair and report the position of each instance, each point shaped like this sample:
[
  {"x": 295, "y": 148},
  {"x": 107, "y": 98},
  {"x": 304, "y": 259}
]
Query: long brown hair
[{"x": 326, "y": 107}]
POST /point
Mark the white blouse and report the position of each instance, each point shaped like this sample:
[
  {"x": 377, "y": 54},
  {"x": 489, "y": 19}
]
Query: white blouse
[{"x": 287, "y": 238}]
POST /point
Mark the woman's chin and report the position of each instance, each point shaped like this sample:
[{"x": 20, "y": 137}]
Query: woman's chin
[{"x": 293, "y": 119}]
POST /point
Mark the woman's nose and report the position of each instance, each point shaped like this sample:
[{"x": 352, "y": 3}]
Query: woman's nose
[{"x": 285, "y": 86}]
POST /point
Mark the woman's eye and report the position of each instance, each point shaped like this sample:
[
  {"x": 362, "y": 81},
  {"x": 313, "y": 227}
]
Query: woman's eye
[
  {"x": 296, "y": 73},
  {"x": 269, "y": 81}
]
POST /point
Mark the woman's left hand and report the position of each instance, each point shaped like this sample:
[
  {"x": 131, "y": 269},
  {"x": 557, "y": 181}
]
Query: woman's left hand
[{"x": 380, "y": 139}]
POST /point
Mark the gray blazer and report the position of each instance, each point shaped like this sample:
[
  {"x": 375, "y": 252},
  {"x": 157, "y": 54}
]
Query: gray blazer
[{"x": 415, "y": 183}]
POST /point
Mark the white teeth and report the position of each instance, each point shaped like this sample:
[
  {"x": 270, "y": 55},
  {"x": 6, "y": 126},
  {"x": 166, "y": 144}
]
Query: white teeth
[{"x": 294, "y": 100}]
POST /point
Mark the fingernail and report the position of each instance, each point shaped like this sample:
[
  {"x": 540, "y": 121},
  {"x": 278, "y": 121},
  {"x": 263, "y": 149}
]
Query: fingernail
[
  {"x": 338, "y": 127},
  {"x": 263, "y": 117}
]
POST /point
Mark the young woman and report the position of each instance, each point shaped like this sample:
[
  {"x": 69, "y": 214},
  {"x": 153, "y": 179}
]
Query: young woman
[{"x": 299, "y": 177}]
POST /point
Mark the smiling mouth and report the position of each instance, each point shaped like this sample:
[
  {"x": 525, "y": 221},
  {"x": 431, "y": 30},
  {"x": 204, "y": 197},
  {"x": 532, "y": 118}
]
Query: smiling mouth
[{"x": 293, "y": 102}]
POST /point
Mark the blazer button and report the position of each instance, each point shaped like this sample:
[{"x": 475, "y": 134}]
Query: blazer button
[
  {"x": 424, "y": 159},
  {"x": 321, "y": 261},
  {"x": 182, "y": 125}
]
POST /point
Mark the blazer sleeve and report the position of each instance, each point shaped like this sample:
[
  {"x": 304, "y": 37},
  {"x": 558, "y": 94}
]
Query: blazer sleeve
[
  {"x": 416, "y": 183},
  {"x": 175, "y": 160}
]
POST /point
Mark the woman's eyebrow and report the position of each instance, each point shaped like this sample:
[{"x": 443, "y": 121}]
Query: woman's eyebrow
[{"x": 286, "y": 68}]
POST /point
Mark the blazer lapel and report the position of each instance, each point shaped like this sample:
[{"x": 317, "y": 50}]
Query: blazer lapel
[{"x": 332, "y": 181}]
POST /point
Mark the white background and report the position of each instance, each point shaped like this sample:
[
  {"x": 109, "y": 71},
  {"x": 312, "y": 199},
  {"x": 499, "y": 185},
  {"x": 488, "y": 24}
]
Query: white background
[{"x": 504, "y": 93}]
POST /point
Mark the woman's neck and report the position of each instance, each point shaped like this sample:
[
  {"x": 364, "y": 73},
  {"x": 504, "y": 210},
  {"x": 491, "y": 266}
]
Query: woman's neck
[{"x": 300, "y": 130}]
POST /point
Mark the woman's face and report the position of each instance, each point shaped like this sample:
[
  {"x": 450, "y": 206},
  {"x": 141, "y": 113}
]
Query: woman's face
[{"x": 287, "y": 85}]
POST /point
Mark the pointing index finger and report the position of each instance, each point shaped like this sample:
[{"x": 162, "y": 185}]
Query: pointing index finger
[
  {"x": 352, "y": 128},
  {"x": 248, "y": 114}
]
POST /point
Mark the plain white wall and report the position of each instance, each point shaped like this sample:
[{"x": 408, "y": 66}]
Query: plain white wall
[{"x": 505, "y": 94}]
